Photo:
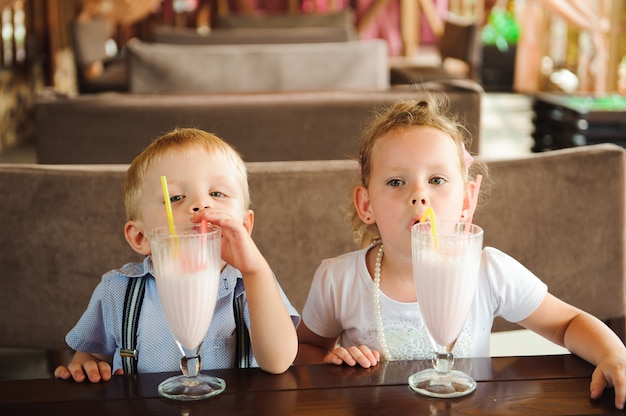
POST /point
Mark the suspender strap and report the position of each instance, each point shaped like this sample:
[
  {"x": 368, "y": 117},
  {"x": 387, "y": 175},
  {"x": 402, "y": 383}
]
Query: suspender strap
[
  {"x": 242, "y": 350},
  {"x": 132, "y": 308}
]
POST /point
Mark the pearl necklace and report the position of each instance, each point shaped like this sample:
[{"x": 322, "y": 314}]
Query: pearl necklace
[{"x": 379, "y": 318}]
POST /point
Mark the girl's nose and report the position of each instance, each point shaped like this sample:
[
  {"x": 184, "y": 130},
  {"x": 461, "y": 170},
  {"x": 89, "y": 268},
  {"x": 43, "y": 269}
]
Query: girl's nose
[{"x": 421, "y": 200}]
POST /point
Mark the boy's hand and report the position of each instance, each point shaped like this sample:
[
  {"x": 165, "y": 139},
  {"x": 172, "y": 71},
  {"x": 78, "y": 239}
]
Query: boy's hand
[
  {"x": 238, "y": 248},
  {"x": 361, "y": 355},
  {"x": 86, "y": 366}
]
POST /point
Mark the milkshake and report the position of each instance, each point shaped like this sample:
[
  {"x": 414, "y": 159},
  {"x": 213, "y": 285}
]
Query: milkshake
[
  {"x": 446, "y": 259},
  {"x": 188, "y": 300},
  {"x": 187, "y": 268},
  {"x": 445, "y": 284}
]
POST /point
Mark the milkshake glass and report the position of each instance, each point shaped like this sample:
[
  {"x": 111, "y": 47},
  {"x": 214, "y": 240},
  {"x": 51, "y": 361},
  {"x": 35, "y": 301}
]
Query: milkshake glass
[
  {"x": 187, "y": 271},
  {"x": 446, "y": 259}
]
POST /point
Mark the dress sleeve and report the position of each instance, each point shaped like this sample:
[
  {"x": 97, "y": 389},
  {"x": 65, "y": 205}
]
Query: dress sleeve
[
  {"x": 321, "y": 307},
  {"x": 515, "y": 291}
]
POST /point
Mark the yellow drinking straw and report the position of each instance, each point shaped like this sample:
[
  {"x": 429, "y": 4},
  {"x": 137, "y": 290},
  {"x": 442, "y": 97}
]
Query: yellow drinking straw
[
  {"x": 168, "y": 205},
  {"x": 430, "y": 214}
]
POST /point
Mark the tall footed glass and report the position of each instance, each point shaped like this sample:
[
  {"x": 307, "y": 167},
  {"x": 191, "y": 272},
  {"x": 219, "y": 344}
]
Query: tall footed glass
[
  {"x": 446, "y": 259},
  {"x": 187, "y": 271}
]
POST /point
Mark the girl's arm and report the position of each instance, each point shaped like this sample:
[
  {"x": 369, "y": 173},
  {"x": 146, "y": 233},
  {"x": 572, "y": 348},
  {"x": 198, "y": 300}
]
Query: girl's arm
[{"x": 586, "y": 336}]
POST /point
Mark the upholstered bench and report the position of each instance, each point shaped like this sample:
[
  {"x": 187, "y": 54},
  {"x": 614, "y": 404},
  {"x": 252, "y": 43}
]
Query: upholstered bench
[{"x": 63, "y": 228}]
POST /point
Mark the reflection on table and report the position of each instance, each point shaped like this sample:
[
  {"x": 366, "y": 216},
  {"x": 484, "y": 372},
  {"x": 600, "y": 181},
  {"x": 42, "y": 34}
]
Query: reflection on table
[{"x": 541, "y": 385}]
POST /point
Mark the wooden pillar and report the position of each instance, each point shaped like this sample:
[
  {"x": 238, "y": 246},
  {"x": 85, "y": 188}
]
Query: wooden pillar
[
  {"x": 409, "y": 26},
  {"x": 617, "y": 44}
]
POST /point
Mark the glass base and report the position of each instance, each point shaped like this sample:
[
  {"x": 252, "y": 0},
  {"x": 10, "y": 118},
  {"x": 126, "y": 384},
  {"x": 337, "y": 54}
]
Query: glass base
[
  {"x": 444, "y": 385},
  {"x": 191, "y": 388}
]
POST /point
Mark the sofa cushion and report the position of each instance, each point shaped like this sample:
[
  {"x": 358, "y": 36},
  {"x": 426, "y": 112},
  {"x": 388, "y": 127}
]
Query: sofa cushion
[{"x": 167, "y": 68}]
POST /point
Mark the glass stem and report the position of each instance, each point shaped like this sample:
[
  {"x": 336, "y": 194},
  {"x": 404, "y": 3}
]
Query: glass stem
[
  {"x": 190, "y": 366},
  {"x": 443, "y": 362}
]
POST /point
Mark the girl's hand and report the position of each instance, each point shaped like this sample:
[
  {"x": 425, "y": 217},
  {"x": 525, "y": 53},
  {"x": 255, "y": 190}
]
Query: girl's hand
[
  {"x": 351, "y": 356},
  {"x": 610, "y": 372}
]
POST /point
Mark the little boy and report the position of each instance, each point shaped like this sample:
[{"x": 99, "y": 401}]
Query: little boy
[{"x": 207, "y": 180}]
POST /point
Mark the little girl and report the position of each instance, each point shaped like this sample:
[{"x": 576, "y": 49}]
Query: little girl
[{"x": 412, "y": 158}]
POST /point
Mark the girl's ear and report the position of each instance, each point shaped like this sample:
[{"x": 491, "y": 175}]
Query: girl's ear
[
  {"x": 363, "y": 205},
  {"x": 467, "y": 200},
  {"x": 136, "y": 238}
]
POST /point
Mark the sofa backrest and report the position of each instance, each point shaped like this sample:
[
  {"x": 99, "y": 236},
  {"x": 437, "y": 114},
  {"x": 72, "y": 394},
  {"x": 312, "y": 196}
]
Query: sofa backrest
[
  {"x": 561, "y": 213},
  {"x": 251, "y": 36},
  {"x": 168, "y": 68},
  {"x": 318, "y": 125},
  {"x": 342, "y": 18}
]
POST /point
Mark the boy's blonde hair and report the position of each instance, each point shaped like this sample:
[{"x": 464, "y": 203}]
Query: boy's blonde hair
[
  {"x": 433, "y": 112},
  {"x": 185, "y": 139}
]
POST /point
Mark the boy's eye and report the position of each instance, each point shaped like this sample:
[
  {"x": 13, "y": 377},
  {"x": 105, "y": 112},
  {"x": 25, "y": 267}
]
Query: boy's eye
[
  {"x": 176, "y": 198},
  {"x": 437, "y": 181},
  {"x": 216, "y": 194},
  {"x": 395, "y": 182}
]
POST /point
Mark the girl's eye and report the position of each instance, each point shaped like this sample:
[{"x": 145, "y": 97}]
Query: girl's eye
[
  {"x": 395, "y": 182},
  {"x": 176, "y": 198},
  {"x": 216, "y": 194},
  {"x": 437, "y": 181}
]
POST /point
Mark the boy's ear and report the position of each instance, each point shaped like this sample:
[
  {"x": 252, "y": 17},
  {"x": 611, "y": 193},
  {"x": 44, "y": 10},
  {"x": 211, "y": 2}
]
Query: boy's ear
[
  {"x": 136, "y": 238},
  {"x": 248, "y": 221},
  {"x": 363, "y": 205}
]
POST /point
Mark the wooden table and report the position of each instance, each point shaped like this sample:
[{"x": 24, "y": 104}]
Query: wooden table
[{"x": 545, "y": 385}]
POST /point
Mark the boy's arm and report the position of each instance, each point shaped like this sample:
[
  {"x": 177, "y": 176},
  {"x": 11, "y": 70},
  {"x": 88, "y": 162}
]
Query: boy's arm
[
  {"x": 95, "y": 367},
  {"x": 272, "y": 332}
]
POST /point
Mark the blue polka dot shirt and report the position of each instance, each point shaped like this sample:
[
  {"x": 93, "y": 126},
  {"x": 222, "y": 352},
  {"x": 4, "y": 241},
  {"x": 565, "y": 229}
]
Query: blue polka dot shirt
[{"x": 99, "y": 329}]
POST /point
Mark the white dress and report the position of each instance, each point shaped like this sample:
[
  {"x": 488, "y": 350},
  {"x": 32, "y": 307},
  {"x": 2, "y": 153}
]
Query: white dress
[{"x": 341, "y": 304}]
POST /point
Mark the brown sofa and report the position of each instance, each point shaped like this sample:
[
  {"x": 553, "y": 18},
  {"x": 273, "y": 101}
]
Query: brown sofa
[
  {"x": 163, "y": 68},
  {"x": 63, "y": 228},
  {"x": 315, "y": 125}
]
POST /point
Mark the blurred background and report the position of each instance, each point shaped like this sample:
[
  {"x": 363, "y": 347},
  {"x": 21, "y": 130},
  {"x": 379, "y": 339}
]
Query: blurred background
[{"x": 519, "y": 46}]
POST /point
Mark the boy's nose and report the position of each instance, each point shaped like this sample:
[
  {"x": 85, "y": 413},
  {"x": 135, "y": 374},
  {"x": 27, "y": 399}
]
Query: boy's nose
[
  {"x": 420, "y": 200},
  {"x": 201, "y": 203}
]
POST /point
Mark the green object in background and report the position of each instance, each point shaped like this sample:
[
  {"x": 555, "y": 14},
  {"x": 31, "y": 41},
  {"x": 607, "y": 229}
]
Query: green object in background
[
  {"x": 501, "y": 30},
  {"x": 605, "y": 103}
]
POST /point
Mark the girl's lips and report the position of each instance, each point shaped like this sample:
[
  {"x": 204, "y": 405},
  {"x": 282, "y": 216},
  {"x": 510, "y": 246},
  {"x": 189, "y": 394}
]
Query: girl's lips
[{"x": 414, "y": 221}]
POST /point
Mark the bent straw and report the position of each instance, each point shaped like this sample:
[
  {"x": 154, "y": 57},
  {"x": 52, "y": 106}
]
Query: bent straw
[
  {"x": 474, "y": 201},
  {"x": 433, "y": 224},
  {"x": 168, "y": 205}
]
